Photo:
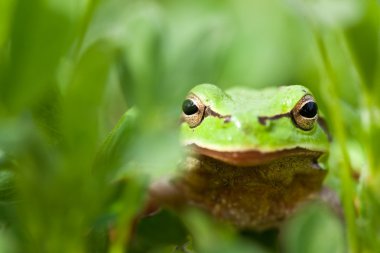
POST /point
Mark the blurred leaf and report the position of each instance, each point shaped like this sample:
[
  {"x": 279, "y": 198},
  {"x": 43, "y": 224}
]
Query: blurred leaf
[
  {"x": 83, "y": 98},
  {"x": 210, "y": 236},
  {"x": 143, "y": 56},
  {"x": 6, "y": 185},
  {"x": 113, "y": 153},
  {"x": 369, "y": 207},
  {"x": 314, "y": 229},
  {"x": 6, "y": 11},
  {"x": 364, "y": 40},
  {"x": 150, "y": 237},
  {"x": 7, "y": 243},
  {"x": 132, "y": 26},
  {"x": 330, "y": 13},
  {"x": 126, "y": 209},
  {"x": 47, "y": 113},
  {"x": 35, "y": 51}
]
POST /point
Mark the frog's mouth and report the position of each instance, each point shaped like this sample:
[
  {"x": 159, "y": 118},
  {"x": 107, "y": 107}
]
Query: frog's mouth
[{"x": 254, "y": 157}]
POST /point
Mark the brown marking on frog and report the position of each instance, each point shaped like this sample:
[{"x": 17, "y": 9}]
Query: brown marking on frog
[{"x": 263, "y": 119}]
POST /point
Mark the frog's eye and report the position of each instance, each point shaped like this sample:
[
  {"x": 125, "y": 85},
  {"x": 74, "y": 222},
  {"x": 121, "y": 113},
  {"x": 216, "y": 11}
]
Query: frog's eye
[
  {"x": 193, "y": 110},
  {"x": 305, "y": 112}
]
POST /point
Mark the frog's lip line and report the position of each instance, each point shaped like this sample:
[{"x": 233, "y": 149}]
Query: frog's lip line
[{"x": 253, "y": 157}]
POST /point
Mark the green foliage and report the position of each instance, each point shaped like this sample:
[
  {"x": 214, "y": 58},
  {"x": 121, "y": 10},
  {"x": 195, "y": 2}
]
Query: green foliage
[
  {"x": 318, "y": 227},
  {"x": 70, "y": 69}
]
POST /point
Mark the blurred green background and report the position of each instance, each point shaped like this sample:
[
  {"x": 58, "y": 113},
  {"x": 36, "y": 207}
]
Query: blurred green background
[{"x": 70, "y": 69}]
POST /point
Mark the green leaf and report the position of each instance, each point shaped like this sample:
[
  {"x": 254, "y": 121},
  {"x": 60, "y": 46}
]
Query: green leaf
[
  {"x": 314, "y": 229},
  {"x": 40, "y": 36},
  {"x": 364, "y": 41},
  {"x": 210, "y": 236}
]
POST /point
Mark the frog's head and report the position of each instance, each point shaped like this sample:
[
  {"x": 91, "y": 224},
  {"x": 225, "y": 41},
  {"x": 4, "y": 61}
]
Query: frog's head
[{"x": 246, "y": 127}]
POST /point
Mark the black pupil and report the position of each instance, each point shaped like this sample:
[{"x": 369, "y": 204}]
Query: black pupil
[
  {"x": 188, "y": 107},
  {"x": 309, "y": 110}
]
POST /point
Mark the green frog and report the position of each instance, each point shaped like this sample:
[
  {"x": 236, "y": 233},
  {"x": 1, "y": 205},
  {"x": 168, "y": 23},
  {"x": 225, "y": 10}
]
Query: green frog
[{"x": 253, "y": 155}]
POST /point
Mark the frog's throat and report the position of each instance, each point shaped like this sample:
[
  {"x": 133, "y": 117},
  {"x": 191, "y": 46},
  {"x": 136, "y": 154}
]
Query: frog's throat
[{"x": 254, "y": 157}]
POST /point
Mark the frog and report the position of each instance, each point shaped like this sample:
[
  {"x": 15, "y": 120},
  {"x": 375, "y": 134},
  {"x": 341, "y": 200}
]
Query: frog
[{"x": 253, "y": 156}]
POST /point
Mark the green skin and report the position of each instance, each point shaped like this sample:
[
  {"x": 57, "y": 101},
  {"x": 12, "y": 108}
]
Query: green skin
[
  {"x": 248, "y": 162},
  {"x": 244, "y": 132}
]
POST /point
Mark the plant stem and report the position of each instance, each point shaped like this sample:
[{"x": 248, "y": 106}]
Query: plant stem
[{"x": 348, "y": 193}]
